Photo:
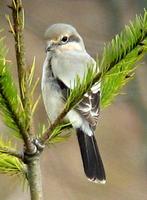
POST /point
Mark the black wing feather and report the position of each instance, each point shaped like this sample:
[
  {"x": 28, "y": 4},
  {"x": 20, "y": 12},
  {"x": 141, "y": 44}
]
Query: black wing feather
[{"x": 89, "y": 108}]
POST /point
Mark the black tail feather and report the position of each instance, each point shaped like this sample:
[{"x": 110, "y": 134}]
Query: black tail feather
[{"x": 92, "y": 161}]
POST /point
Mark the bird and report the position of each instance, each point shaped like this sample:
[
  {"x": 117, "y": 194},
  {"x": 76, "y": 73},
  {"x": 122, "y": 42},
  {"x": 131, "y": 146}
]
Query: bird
[{"x": 66, "y": 58}]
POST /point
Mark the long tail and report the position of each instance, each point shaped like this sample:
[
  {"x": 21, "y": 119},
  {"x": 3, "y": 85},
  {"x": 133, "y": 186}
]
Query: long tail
[{"x": 92, "y": 161}]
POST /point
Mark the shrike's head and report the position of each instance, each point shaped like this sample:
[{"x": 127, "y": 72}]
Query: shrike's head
[{"x": 63, "y": 37}]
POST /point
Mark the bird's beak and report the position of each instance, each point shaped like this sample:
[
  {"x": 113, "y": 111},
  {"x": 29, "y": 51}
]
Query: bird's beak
[{"x": 50, "y": 46}]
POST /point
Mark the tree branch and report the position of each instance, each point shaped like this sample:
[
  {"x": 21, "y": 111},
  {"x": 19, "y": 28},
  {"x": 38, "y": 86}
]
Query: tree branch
[
  {"x": 14, "y": 116},
  {"x": 47, "y": 133},
  {"x": 18, "y": 26},
  {"x": 18, "y": 20},
  {"x": 34, "y": 178}
]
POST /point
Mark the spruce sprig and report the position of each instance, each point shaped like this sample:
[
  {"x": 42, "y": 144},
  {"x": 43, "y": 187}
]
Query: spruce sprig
[
  {"x": 120, "y": 56},
  {"x": 11, "y": 108}
]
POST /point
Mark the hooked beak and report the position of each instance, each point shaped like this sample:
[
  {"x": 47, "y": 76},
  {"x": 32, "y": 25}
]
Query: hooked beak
[{"x": 50, "y": 46}]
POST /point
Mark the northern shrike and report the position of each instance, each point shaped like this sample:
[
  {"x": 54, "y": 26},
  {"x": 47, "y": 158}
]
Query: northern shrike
[{"x": 66, "y": 57}]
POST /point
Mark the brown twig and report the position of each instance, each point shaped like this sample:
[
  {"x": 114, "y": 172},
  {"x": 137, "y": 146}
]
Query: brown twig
[
  {"x": 47, "y": 133},
  {"x": 18, "y": 26}
]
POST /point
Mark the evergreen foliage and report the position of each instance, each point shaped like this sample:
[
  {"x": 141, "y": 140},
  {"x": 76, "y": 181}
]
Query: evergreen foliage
[
  {"x": 10, "y": 164},
  {"x": 120, "y": 56},
  {"x": 58, "y": 135},
  {"x": 11, "y": 108}
]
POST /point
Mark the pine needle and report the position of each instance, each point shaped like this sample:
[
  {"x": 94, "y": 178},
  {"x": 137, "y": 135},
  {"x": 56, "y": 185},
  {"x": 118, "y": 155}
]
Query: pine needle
[
  {"x": 32, "y": 71},
  {"x": 36, "y": 104},
  {"x": 10, "y": 24},
  {"x": 58, "y": 135}
]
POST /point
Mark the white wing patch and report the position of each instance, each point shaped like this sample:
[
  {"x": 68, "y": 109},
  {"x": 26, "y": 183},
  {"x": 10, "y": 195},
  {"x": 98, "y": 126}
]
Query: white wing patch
[
  {"x": 95, "y": 88},
  {"x": 89, "y": 106}
]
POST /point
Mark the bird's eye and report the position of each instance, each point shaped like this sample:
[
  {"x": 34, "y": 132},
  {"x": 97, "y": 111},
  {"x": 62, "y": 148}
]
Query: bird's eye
[{"x": 64, "y": 39}]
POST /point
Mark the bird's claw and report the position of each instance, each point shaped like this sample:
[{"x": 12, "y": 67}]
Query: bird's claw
[{"x": 38, "y": 145}]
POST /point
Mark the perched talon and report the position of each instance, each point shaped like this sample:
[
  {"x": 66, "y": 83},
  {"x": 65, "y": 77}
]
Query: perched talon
[
  {"x": 38, "y": 145},
  {"x": 33, "y": 152},
  {"x": 27, "y": 156}
]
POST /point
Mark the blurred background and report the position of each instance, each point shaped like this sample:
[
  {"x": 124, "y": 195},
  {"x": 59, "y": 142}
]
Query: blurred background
[{"x": 122, "y": 128}]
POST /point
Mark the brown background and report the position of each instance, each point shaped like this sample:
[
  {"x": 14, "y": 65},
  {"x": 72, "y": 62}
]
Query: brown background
[{"x": 122, "y": 128}]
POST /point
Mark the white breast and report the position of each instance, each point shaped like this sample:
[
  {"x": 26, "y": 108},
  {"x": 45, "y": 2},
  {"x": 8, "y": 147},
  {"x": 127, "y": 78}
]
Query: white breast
[{"x": 50, "y": 93}]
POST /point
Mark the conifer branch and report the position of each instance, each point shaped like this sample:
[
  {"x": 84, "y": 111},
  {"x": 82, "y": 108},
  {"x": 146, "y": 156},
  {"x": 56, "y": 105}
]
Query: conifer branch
[
  {"x": 11, "y": 112},
  {"x": 18, "y": 27},
  {"x": 10, "y": 104},
  {"x": 46, "y": 135},
  {"x": 119, "y": 56},
  {"x": 11, "y": 107}
]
